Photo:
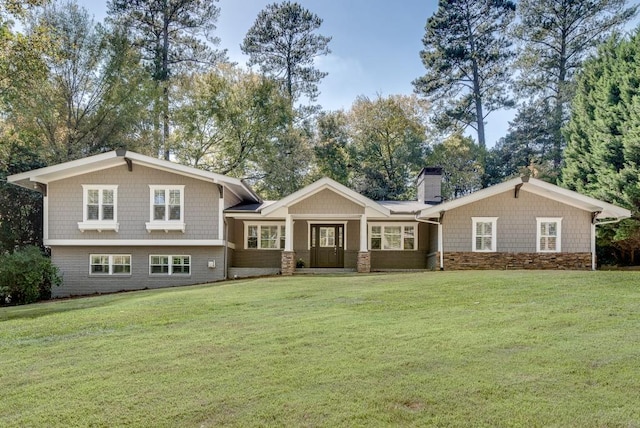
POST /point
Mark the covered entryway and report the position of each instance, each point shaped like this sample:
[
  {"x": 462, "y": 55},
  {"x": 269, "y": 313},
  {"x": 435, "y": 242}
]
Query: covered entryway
[{"x": 327, "y": 245}]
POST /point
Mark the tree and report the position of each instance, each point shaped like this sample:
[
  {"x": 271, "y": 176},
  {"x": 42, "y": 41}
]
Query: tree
[
  {"x": 602, "y": 158},
  {"x": 20, "y": 209},
  {"x": 331, "y": 147},
  {"x": 462, "y": 169},
  {"x": 226, "y": 120},
  {"x": 283, "y": 42},
  {"x": 90, "y": 101},
  {"x": 556, "y": 36},
  {"x": 171, "y": 35},
  {"x": 389, "y": 144},
  {"x": 525, "y": 148},
  {"x": 467, "y": 54}
]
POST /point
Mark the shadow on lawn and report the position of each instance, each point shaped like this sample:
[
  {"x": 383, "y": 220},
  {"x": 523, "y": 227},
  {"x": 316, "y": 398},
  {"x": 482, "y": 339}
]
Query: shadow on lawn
[{"x": 50, "y": 307}]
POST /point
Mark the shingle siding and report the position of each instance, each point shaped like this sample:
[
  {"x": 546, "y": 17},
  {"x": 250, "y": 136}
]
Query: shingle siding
[
  {"x": 73, "y": 263},
  {"x": 326, "y": 202},
  {"x": 516, "y": 224},
  {"x": 201, "y": 200}
]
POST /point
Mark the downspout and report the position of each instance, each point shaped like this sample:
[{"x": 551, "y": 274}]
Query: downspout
[{"x": 226, "y": 248}]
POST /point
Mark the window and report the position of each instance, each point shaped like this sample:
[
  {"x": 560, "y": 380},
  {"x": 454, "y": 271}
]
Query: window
[
  {"x": 484, "y": 234},
  {"x": 265, "y": 236},
  {"x": 548, "y": 234},
  {"x": 169, "y": 265},
  {"x": 392, "y": 236},
  {"x": 109, "y": 264},
  {"x": 99, "y": 207},
  {"x": 167, "y": 208}
]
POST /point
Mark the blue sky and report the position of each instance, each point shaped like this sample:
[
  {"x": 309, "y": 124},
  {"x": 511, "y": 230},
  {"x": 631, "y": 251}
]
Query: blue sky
[
  {"x": 375, "y": 46},
  {"x": 375, "y": 43}
]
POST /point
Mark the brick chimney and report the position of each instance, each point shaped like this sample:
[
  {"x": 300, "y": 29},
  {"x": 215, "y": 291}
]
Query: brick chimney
[{"x": 429, "y": 184}]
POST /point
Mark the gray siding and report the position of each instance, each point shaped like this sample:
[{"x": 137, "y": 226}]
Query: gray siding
[
  {"x": 74, "y": 267},
  {"x": 200, "y": 205},
  {"x": 516, "y": 225},
  {"x": 326, "y": 202}
]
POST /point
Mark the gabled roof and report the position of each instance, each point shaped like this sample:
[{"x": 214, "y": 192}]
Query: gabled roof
[
  {"x": 114, "y": 158},
  {"x": 538, "y": 187},
  {"x": 320, "y": 185}
]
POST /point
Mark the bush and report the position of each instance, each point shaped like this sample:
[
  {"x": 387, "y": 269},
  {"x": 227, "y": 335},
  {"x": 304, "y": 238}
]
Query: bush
[{"x": 26, "y": 276}]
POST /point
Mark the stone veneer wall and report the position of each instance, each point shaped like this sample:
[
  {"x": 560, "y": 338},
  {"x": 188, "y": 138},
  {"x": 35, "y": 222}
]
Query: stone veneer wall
[
  {"x": 364, "y": 262},
  {"x": 288, "y": 265},
  {"x": 498, "y": 261}
]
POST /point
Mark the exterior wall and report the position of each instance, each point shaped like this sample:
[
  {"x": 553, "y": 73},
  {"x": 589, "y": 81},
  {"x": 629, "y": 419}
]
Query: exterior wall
[
  {"x": 247, "y": 258},
  {"x": 74, "y": 267},
  {"x": 410, "y": 259},
  {"x": 200, "y": 205},
  {"x": 516, "y": 225},
  {"x": 470, "y": 260},
  {"x": 326, "y": 202},
  {"x": 433, "y": 260}
]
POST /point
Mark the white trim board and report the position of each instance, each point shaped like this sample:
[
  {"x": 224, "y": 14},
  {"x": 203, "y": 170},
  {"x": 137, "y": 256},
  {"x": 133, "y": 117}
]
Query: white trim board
[{"x": 134, "y": 242}]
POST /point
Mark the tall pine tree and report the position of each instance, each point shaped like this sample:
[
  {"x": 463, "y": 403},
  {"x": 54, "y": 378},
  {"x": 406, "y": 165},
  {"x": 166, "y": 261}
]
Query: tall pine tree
[{"x": 467, "y": 54}]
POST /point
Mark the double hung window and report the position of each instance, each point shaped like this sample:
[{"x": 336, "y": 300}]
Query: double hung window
[
  {"x": 484, "y": 234},
  {"x": 392, "y": 236},
  {"x": 110, "y": 264},
  {"x": 548, "y": 234},
  {"x": 166, "y": 210},
  {"x": 100, "y": 207},
  {"x": 169, "y": 265},
  {"x": 265, "y": 236}
]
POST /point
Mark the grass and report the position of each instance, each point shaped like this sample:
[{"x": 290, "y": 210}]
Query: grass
[{"x": 441, "y": 349}]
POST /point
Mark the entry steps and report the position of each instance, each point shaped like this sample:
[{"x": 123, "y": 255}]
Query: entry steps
[{"x": 323, "y": 271}]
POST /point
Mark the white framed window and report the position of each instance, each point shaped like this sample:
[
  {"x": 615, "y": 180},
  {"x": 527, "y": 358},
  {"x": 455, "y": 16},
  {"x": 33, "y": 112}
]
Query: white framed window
[
  {"x": 549, "y": 234},
  {"x": 99, "y": 207},
  {"x": 109, "y": 264},
  {"x": 264, "y": 236},
  {"x": 393, "y": 236},
  {"x": 166, "y": 208},
  {"x": 484, "y": 234},
  {"x": 169, "y": 265}
]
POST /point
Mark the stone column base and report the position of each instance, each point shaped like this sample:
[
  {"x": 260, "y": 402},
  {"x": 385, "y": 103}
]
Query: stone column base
[
  {"x": 364, "y": 262},
  {"x": 288, "y": 263}
]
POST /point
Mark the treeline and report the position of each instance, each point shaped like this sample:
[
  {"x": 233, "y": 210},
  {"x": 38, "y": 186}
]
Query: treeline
[{"x": 155, "y": 78}]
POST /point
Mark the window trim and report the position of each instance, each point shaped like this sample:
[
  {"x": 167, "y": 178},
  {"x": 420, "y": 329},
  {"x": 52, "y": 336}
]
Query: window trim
[
  {"x": 280, "y": 238},
  {"x": 170, "y": 260},
  {"x": 111, "y": 264},
  {"x": 402, "y": 225},
  {"x": 558, "y": 221},
  {"x": 166, "y": 225},
  {"x": 494, "y": 233},
  {"x": 99, "y": 225}
]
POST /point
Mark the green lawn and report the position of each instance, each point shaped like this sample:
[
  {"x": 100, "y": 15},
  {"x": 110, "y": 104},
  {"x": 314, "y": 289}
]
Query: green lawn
[{"x": 439, "y": 348}]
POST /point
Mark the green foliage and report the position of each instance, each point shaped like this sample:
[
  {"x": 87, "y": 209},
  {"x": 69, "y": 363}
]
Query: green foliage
[
  {"x": 26, "y": 276},
  {"x": 331, "y": 147},
  {"x": 602, "y": 158},
  {"x": 93, "y": 97},
  {"x": 461, "y": 162},
  {"x": 555, "y": 39},
  {"x": 467, "y": 54},
  {"x": 20, "y": 209},
  {"x": 439, "y": 349},
  {"x": 175, "y": 37},
  {"x": 228, "y": 120},
  {"x": 527, "y": 147},
  {"x": 388, "y": 145},
  {"x": 284, "y": 43}
]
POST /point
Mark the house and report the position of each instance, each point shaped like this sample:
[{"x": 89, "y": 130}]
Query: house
[{"x": 123, "y": 221}]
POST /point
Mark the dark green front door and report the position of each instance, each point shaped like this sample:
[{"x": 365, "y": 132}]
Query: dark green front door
[{"x": 327, "y": 245}]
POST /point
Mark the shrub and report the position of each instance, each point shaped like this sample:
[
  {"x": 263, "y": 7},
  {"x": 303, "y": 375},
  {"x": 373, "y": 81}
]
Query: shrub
[{"x": 26, "y": 276}]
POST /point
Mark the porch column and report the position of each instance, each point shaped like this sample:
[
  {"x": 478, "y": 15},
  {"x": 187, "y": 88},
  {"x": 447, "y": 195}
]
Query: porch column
[
  {"x": 364, "y": 244},
  {"x": 288, "y": 233},
  {"x": 440, "y": 245},
  {"x": 288, "y": 258},
  {"x": 593, "y": 247},
  {"x": 364, "y": 256}
]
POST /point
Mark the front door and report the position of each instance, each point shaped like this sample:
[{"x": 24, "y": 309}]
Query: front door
[{"x": 327, "y": 245}]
